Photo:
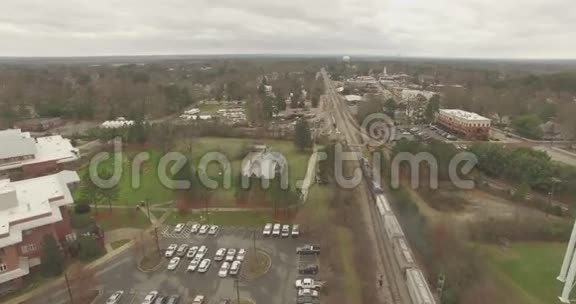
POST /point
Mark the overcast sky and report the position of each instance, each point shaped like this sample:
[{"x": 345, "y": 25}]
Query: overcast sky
[{"x": 438, "y": 28}]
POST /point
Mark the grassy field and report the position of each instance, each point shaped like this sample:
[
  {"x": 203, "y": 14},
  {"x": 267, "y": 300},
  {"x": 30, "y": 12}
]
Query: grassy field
[
  {"x": 121, "y": 218},
  {"x": 233, "y": 148},
  {"x": 529, "y": 269}
]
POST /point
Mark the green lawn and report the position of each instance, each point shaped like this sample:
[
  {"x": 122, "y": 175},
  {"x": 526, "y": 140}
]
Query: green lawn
[
  {"x": 121, "y": 218},
  {"x": 225, "y": 218},
  {"x": 151, "y": 188},
  {"x": 351, "y": 280},
  {"x": 529, "y": 269}
]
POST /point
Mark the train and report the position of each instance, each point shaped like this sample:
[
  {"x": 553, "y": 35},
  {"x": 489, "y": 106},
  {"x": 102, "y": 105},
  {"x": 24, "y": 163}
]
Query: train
[{"x": 418, "y": 288}]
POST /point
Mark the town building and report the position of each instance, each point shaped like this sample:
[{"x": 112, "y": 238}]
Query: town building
[
  {"x": 39, "y": 124},
  {"x": 264, "y": 163},
  {"x": 465, "y": 124},
  {"x": 29, "y": 210},
  {"x": 20, "y": 151}
]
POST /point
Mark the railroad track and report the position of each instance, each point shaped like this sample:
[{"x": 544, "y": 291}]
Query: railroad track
[{"x": 350, "y": 128}]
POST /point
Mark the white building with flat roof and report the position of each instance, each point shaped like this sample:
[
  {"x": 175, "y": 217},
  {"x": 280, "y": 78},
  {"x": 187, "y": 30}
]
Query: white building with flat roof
[
  {"x": 20, "y": 150},
  {"x": 29, "y": 210}
]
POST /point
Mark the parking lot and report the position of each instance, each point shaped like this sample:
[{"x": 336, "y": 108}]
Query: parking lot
[{"x": 275, "y": 287}]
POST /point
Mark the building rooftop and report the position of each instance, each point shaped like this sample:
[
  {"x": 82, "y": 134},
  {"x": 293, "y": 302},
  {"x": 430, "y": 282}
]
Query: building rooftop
[
  {"x": 15, "y": 143},
  {"x": 463, "y": 114},
  {"x": 353, "y": 98},
  {"x": 32, "y": 203}
]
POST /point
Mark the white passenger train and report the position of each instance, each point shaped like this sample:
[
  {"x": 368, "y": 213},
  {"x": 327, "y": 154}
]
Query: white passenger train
[{"x": 415, "y": 280}]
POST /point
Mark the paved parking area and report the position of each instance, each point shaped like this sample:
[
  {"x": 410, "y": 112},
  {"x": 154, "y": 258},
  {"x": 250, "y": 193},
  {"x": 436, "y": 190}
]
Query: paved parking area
[{"x": 275, "y": 287}]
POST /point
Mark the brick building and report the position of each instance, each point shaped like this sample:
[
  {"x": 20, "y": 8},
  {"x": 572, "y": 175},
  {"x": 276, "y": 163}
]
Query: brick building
[
  {"x": 29, "y": 210},
  {"x": 465, "y": 124},
  {"x": 21, "y": 152}
]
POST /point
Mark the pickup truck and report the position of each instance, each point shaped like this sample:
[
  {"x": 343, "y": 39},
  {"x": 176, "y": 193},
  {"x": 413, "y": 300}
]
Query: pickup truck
[{"x": 308, "y": 249}]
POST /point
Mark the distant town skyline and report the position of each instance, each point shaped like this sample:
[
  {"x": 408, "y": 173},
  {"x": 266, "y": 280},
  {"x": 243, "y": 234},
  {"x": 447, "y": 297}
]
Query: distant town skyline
[{"x": 534, "y": 29}]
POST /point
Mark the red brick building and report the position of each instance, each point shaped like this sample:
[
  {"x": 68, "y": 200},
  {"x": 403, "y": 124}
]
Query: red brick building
[
  {"x": 29, "y": 210},
  {"x": 465, "y": 124},
  {"x": 34, "y": 156}
]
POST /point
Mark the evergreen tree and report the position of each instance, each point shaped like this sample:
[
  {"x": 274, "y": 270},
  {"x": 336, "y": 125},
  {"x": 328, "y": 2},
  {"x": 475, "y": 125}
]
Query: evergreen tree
[
  {"x": 52, "y": 257},
  {"x": 302, "y": 135}
]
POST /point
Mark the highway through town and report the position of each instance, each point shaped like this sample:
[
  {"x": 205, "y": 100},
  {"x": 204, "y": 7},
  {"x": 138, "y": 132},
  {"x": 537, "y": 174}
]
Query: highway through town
[{"x": 395, "y": 290}]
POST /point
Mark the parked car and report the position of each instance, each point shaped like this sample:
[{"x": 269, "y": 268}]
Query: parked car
[
  {"x": 173, "y": 299},
  {"x": 182, "y": 250},
  {"x": 192, "y": 252},
  {"x": 230, "y": 255},
  {"x": 199, "y": 299},
  {"x": 195, "y": 228},
  {"x": 295, "y": 231},
  {"x": 308, "y": 283},
  {"x": 179, "y": 228},
  {"x": 285, "y": 230},
  {"x": 115, "y": 297},
  {"x": 173, "y": 263},
  {"x": 235, "y": 268},
  {"x": 204, "y": 265},
  {"x": 170, "y": 250},
  {"x": 193, "y": 265},
  {"x": 203, "y": 229},
  {"x": 241, "y": 254},
  {"x": 202, "y": 251},
  {"x": 267, "y": 230},
  {"x": 276, "y": 230},
  {"x": 160, "y": 300},
  {"x": 308, "y": 249},
  {"x": 308, "y": 269},
  {"x": 213, "y": 230},
  {"x": 150, "y": 297},
  {"x": 307, "y": 300},
  {"x": 307, "y": 292},
  {"x": 224, "y": 270},
  {"x": 220, "y": 254}
]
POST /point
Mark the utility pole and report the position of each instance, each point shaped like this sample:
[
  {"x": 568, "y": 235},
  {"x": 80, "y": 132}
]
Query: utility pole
[
  {"x": 156, "y": 234},
  {"x": 68, "y": 287},
  {"x": 237, "y": 290},
  {"x": 254, "y": 239}
]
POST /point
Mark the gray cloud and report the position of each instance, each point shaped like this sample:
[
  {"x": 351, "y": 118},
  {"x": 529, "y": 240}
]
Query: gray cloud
[{"x": 448, "y": 28}]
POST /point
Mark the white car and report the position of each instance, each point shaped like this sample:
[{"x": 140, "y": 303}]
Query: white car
[
  {"x": 276, "y": 230},
  {"x": 224, "y": 270},
  {"x": 204, "y": 265},
  {"x": 241, "y": 254},
  {"x": 295, "y": 230},
  {"x": 199, "y": 299},
  {"x": 193, "y": 264},
  {"x": 171, "y": 250},
  {"x": 150, "y": 297},
  {"x": 220, "y": 254},
  {"x": 115, "y": 297},
  {"x": 235, "y": 268},
  {"x": 285, "y": 230},
  {"x": 267, "y": 230},
  {"x": 213, "y": 230},
  {"x": 179, "y": 228},
  {"x": 173, "y": 263},
  {"x": 182, "y": 249},
  {"x": 308, "y": 283},
  {"x": 195, "y": 228},
  {"x": 230, "y": 255},
  {"x": 202, "y": 251},
  {"x": 192, "y": 252},
  {"x": 306, "y": 292},
  {"x": 203, "y": 229}
]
